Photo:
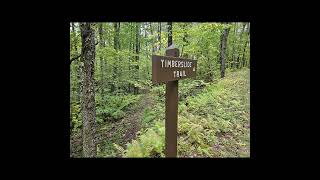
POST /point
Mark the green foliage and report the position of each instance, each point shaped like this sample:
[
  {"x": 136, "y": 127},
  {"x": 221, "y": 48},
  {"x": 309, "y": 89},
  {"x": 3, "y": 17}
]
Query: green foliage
[
  {"x": 213, "y": 124},
  {"x": 190, "y": 87},
  {"x": 152, "y": 115},
  {"x": 149, "y": 144},
  {"x": 200, "y": 41},
  {"x": 212, "y": 113},
  {"x": 197, "y": 134},
  {"x": 217, "y": 118},
  {"x": 76, "y": 121},
  {"x": 107, "y": 148},
  {"x": 114, "y": 107}
]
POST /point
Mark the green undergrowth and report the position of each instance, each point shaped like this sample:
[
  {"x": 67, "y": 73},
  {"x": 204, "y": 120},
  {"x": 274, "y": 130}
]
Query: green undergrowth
[
  {"x": 109, "y": 111},
  {"x": 114, "y": 107},
  {"x": 213, "y": 120}
]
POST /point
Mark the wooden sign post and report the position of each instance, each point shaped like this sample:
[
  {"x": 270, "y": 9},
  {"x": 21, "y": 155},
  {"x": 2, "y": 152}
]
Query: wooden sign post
[{"x": 170, "y": 69}]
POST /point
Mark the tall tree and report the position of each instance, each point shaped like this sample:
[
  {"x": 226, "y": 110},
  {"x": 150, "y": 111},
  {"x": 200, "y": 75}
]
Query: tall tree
[
  {"x": 102, "y": 45},
  {"x": 137, "y": 42},
  {"x": 245, "y": 45},
  {"x": 89, "y": 111},
  {"x": 159, "y": 36},
  {"x": 117, "y": 35},
  {"x": 223, "y": 46},
  {"x": 240, "y": 44},
  {"x": 232, "y": 64},
  {"x": 184, "y": 39},
  {"x": 152, "y": 40},
  {"x": 169, "y": 33},
  {"x": 145, "y": 29},
  {"x": 130, "y": 56},
  {"x": 116, "y": 45},
  {"x": 130, "y": 39},
  {"x": 137, "y": 54}
]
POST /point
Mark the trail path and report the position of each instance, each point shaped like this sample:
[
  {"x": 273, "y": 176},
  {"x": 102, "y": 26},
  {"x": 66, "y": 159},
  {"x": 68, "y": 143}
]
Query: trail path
[{"x": 130, "y": 124}]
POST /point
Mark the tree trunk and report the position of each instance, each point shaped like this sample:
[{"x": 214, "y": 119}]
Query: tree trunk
[
  {"x": 72, "y": 67},
  {"x": 223, "y": 46},
  {"x": 169, "y": 33},
  {"x": 245, "y": 46},
  {"x": 240, "y": 43},
  {"x": 118, "y": 33},
  {"x": 137, "y": 43},
  {"x": 184, "y": 39},
  {"x": 130, "y": 56},
  {"x": 133, "y": 58},
  {"x": 145, "y": 37},
  {"x": 137, "y": 55},
  {"x": 116, "y": 46},
  {"x": 102, "y": 45},
  {"x": 159, "y": 35},
  {"x": 89, "y": 111},
  {"x": 117, "y": 36},
  {"x": 248, "y": 57},
  {"x": 152, "y": 40},
  {"x": 234, "y": 46}
]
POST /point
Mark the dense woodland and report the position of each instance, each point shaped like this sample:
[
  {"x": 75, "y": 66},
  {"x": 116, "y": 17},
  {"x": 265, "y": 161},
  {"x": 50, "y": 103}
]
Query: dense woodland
[{"x": 116, "y": 111}]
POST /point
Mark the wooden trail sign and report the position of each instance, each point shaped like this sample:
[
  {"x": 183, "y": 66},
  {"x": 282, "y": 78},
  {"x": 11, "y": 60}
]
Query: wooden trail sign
[{"x": 170, "y": 69}]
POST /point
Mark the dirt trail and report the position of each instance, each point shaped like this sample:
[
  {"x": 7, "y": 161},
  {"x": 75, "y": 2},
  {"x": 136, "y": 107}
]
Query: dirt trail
[
  {"x": 130, "y": 124},
  {"x": 132, "y": 120}
]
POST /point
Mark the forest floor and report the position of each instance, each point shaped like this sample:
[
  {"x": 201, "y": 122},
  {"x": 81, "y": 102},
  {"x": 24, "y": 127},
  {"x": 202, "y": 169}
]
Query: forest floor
[
  {"x": 214, "y": 121},
  {"x": 124, "y": 130},
  {"x": 121, "y": 131}
]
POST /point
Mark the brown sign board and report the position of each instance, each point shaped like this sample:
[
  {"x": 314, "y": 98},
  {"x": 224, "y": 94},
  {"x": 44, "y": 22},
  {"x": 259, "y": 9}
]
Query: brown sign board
[{"x": 168, "y": 68}]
